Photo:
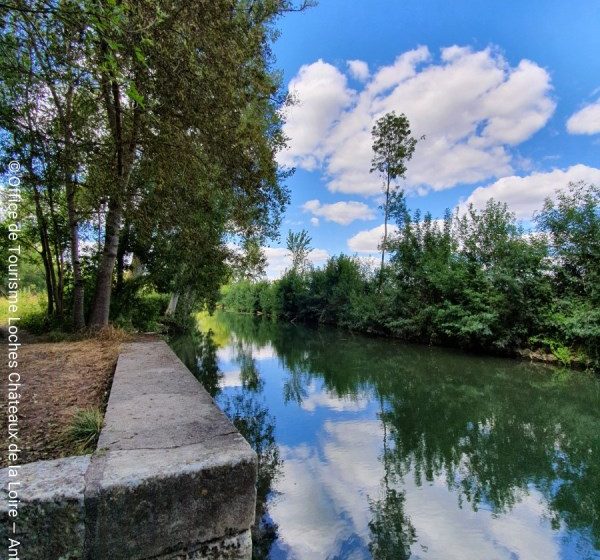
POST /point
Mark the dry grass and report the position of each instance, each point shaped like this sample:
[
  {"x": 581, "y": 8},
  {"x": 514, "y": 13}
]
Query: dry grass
[
  {"x": 59, "y": 379},
  {"x": 112, "y": 334}
]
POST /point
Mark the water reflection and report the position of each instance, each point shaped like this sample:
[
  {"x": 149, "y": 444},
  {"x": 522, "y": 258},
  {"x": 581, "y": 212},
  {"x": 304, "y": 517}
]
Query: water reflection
[
  {"x": 255, "y": 423},
  {"x": 375, "y": 449},
  {"x": 199, "y": 351}
]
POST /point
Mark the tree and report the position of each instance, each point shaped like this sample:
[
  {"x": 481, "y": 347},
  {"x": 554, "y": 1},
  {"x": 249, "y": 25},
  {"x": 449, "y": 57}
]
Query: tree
[
  {"x": 49, "y": 115},
  {"x": 252, "y": 262},
  {"x": 187, "y": 83},
  {"x": 572, "y": 222},
  {"x": 298, "y": 244},
  {"x": 160, "y": 118},
  {"x": 393, "y": 147}
]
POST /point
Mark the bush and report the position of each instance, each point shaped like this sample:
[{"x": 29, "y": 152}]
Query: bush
[
  {"x": 476, "y": 281},
  {"x": 149, "y": 308},
  {"x": 32, "y": 311},
  {"x": 138, "y": 307}
]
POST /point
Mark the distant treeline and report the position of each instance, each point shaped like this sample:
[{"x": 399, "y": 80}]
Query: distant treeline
[{"x": 475, "y": 280}]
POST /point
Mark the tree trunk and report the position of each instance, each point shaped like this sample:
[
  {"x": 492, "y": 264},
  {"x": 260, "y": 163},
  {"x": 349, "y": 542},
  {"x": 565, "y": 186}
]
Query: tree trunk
[
  {"x": 123, "y": 245},
  {"x": 101, "y": 305},
  {"x": 125, "y": 149},
  {"x": 58, "y": 282},
  {"x": 46, "y": 254},
  {"x": 78, "y": 285},
  {"x": 58, "y": 255},
  {"x": 385, "y": 222},
  {"x": 172, "y": 305}
]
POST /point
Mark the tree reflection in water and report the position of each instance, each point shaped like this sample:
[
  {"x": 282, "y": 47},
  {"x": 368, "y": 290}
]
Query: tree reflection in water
[
  {"x": 392, "y": 533},
  {"x": 493, "y": 430},
  {"x": 198, "y": 352},
  {"x": 255, "y": 423},
  {"x": 250, "y": 416}
]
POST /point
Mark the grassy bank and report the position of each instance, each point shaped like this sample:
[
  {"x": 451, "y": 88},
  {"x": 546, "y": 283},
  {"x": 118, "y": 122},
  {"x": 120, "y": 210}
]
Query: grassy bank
[
  {"x": 66, "y": 376},
  {"x": 135, "y": 310},
  {"x": 31, "y": 309}
]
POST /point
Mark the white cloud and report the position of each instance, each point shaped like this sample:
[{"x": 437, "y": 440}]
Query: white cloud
[
  {"x": 342, "y": 213},
  {"x": 320, "y": 94},
  {"x": 323, "y": 501},
  {"x": 231, "y": 379},
  {"x": 525, "y": 195},
  {"x": 471, "y": 105},
  {"x": 278, "y": 259},
  {"x": 359, "y": 69},
  {"x": 586, "y": 120},
  {"x": 314, "y": 221},
  {"x": 265, "y": 352},
  {"x": 447, "y": 530},
  {"x": 324, "y": 488},
  {"x": 368, "y": 241},
  {"x": 318, "y": 397}
]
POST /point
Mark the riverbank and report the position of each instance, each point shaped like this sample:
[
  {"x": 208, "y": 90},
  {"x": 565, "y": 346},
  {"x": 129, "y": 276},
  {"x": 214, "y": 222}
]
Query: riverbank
[
  {"x": 166, "y": 457},
  {"x": 59, "y": 380},
  {"x": 533, "y": 354}
]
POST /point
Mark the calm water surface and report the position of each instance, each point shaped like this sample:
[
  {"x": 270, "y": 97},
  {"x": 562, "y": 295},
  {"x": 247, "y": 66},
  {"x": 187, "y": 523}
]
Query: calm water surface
[{"x": 370, "y": 448}]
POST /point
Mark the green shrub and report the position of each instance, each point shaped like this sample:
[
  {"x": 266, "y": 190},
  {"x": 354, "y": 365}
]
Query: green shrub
[
  {"x": 476, "y": 282},
  {"x": 138, "y": 308},
  {"x": 32, "y": 310},
  {"x": 149, "y": 308}
]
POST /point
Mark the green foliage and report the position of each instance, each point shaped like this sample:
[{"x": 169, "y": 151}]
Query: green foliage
[
  {"x": 139, "y": 308},
  {"x": 32, "y": 311},
  {"x": 474, "y": 280},
  {"x": 99, "y": 107},
  {"x": 390, "y": 528},
  {"x": 251, "y": 264},
  {"x": 298, "y": 244},
  {"x": 85, "y": 428},
  {"x": 334, "y": 289},
  {"x": 393, "y": 145},
  {"x": 572, "y": 224}
]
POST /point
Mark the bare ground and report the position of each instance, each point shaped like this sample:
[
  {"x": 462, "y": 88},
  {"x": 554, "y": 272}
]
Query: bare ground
[{"x": 58, "y": 379}]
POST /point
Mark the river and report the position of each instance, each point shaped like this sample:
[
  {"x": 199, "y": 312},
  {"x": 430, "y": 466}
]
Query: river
[{"x": 372, "y": 448}]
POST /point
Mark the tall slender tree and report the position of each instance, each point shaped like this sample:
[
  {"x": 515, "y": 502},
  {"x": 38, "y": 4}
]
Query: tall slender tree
[
  {"x": 298, "y": 244},
  {"x": 393, "y": 147}
]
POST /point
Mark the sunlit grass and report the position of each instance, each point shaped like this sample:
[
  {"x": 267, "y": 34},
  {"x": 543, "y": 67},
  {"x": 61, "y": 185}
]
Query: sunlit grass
[{"x": 29, "y": 303}]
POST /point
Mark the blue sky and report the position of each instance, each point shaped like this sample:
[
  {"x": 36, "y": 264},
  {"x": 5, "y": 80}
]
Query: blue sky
[{"x": 507, "y": 94}]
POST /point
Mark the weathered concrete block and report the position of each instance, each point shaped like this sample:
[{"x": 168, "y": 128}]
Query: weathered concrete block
[
  {"x": 50, "y": 524},
  {"x": 237, "y": 547},
  {"x": 171, "y": 471}
]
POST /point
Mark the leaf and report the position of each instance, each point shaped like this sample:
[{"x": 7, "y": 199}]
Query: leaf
[
  {"x": 139, "y": 55},
  {"x": 135, "y": 95}
]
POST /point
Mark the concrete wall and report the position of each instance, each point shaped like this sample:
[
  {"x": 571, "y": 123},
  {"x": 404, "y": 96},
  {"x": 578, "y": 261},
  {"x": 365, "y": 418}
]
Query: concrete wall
[{"x": 171, "y": 478}]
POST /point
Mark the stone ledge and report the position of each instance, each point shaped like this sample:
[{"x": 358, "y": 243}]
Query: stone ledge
[
  {"x": 170, "y": 469},
  {"x": 237, "y": 547},
  {"x": 171, "y": 479},
  {"x": 51, "y": 514}
]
